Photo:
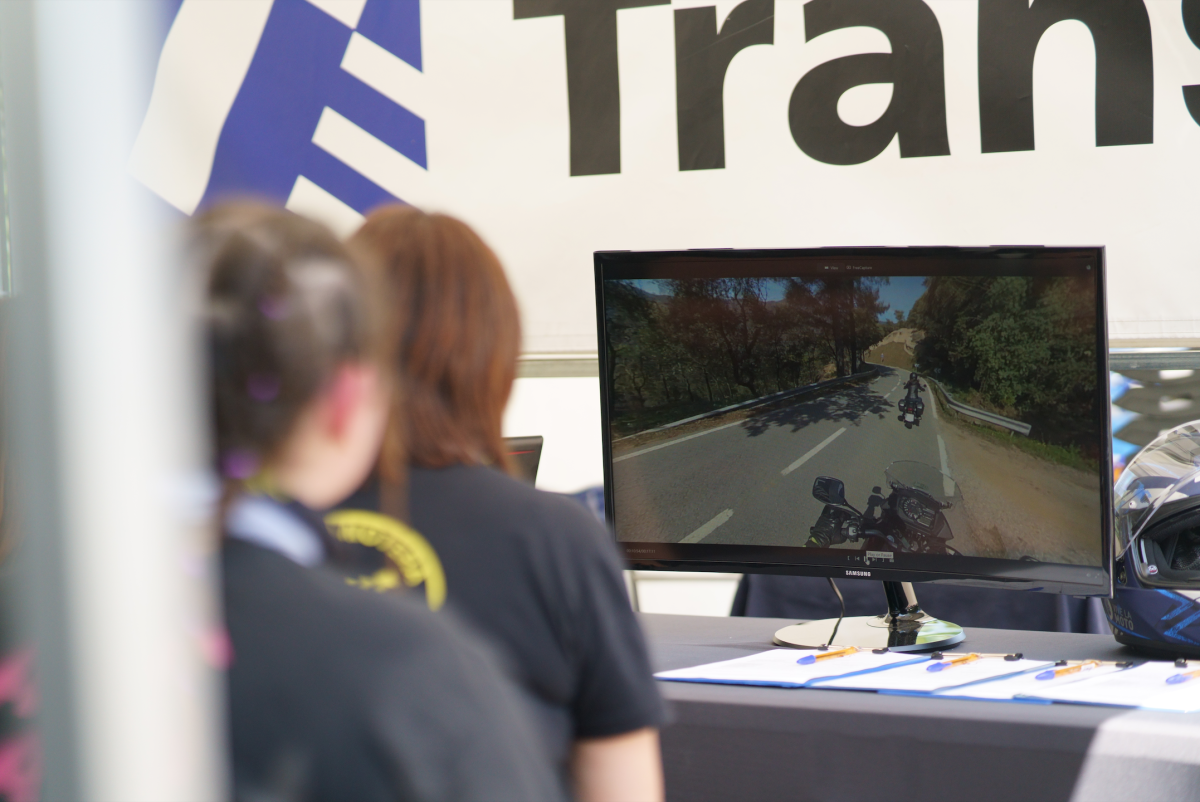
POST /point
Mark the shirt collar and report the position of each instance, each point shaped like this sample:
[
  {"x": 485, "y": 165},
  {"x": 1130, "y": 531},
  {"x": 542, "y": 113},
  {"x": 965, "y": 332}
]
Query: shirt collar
[{"x": 266, "y": 522}]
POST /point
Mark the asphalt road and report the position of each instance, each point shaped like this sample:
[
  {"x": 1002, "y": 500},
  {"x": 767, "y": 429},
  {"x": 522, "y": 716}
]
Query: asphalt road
[{"x": 751, "y": 482}]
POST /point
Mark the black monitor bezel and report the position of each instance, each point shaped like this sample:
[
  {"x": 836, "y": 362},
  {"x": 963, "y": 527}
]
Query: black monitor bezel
[{"x": 1046, "y": 577}]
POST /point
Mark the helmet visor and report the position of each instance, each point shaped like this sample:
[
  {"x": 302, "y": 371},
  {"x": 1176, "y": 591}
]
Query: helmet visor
[{"x": 1167, "y": 470}]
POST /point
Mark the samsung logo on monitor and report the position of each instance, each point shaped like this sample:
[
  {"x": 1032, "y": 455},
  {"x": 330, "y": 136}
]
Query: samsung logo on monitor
[{"x": 857, "y": 573}]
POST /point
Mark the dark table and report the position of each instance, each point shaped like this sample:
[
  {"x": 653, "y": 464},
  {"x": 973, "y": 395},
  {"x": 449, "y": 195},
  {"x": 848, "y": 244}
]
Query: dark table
[{"x": 750, "y": 743}]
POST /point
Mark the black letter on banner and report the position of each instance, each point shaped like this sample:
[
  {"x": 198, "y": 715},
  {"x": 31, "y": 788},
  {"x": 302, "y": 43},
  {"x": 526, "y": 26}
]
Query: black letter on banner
[
  {"x": 702, "y": 55},
  {"x": 593, "y": 85},
  {"x": 1191, "y": 24},
  {"x": 917, "y": 112},
  {"x": 1009, "y": 32}
]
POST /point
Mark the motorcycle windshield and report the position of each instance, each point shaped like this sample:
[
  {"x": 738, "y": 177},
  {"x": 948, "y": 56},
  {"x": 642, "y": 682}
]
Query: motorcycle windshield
[
  {"x": 1165, "y": 471},
  {"x": 927, "y": 479}
]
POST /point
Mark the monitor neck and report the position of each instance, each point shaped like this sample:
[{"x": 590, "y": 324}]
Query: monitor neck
[{"x": 902, "y": 601}]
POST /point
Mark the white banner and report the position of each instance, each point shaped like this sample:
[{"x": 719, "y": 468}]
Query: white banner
[{"x": 560, "y": 127}]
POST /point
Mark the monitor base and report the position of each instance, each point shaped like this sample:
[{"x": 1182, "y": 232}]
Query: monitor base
[
  {"x": 873, "y": 632},
  {"x": 904, "y": 628}
]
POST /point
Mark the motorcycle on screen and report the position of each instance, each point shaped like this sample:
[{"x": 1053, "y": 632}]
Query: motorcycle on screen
[
  {"x": 911, "y": 410},
  {"x": 911, "y": 406},
  {"x": 910, "y": 519}
]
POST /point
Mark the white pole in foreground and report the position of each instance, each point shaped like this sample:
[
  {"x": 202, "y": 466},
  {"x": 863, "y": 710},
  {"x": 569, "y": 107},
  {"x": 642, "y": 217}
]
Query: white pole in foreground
[{"x": 122, "y": 589}]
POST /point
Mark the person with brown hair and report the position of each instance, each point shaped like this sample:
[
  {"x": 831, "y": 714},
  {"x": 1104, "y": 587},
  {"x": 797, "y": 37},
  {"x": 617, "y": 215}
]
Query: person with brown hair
[
  {"x": 334, "y": 694},
  {"x": 534, "y": 572}
]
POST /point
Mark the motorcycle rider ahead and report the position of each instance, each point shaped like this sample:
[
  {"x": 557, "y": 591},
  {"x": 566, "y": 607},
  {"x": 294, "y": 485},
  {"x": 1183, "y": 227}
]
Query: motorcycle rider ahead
[{"x": 911, "y": 406}]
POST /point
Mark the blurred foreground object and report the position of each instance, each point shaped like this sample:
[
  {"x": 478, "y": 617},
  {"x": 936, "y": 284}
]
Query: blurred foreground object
[
  {"x": 1152, "y": 391},
  {"x": 100, "y": 387}
]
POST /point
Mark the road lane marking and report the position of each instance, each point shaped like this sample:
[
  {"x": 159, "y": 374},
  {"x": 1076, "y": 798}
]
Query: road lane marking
[
  {"x": 676, "y": 440},
  {"x": 813, "y": 451},
  {"x": 933, "y": 403},
  {"x": 947, "y": 482},
  {"x": 708, "y": 528}
]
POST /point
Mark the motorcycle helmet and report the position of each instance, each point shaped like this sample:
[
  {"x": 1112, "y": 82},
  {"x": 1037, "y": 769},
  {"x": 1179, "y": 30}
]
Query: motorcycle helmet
[{"x": 1156, "y": 590}]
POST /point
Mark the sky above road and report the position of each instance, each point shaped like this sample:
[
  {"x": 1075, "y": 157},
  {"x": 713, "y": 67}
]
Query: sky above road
[{"x": 899, "y": 292}]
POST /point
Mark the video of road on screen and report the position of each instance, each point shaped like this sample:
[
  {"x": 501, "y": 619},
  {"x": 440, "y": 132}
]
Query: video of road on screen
[{"x": 906, "y": 414}]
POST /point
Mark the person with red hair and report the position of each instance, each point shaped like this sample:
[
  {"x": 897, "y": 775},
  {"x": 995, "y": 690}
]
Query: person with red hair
[{"x": 534, "y": 572}]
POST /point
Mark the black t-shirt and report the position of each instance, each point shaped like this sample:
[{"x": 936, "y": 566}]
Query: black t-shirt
[
  {"x": 338, "y": 694},
  {"x": 539, "y": 576}
]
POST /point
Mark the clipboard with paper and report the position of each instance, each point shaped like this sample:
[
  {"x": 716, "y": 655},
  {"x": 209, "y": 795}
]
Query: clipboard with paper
[
  {"x": 1171, "y": 687},
  {"x": 782, "y": 668},
  {"x": 1025, "y": 686},
  {"x": 937, "y": 672}
]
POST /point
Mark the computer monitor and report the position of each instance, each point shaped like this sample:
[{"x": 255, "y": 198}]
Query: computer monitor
[
  {"x": 525, "y": 454},
  {"x": 898, "y": 414}
]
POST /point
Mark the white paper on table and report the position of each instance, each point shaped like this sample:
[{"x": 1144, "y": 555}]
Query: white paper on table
[
  {"x": 779, "y": 667},
  {"x": 1026, "y": 684},
  {"x": 1142, "y": 686},
  {"x": 917, "y": 678}
]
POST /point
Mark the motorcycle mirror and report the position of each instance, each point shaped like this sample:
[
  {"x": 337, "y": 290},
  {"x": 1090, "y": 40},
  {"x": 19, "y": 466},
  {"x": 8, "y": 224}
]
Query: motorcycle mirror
[{"x": 828, "y": 490}]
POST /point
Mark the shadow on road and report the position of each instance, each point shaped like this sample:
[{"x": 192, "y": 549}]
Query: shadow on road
[{"x": 845, "y": 404}]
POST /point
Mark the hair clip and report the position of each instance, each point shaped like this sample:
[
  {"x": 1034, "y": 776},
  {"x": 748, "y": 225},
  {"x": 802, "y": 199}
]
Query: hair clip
[
  {"x": 273, "y": 307},
  {"x": 239, "y": 464},
  {"x": 262, "y": 387}
]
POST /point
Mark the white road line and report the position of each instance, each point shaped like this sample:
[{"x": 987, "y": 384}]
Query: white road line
[
  {"x": 933, "y": 403},
  {"x": 676, "y": 440},
  {"x": 708, "y": 528},
  {"x": 947, "y": 482},
  {"x": 813, "y": 451}
]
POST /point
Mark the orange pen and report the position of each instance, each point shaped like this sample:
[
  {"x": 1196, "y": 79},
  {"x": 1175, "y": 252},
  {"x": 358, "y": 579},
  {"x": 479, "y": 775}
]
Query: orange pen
[
  {"x": 809, "y": 659},
  {"x": 951, "y": 662}
]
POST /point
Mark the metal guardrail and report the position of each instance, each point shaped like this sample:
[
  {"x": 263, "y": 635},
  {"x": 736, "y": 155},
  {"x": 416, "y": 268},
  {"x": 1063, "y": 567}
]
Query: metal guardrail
[
  {"x": 983, "y": 415},
  {"x": 1182, "y": 359},
  {"x": 753, "y": 402}
]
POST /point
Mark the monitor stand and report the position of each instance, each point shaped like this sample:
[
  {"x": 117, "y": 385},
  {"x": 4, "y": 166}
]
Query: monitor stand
[{"x": 905, "y": 627}]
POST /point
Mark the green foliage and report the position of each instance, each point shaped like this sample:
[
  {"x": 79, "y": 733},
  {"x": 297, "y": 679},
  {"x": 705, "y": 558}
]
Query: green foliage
[
  {"x": 1019, "y": 345},
  {"x": 708, "y": 343}
]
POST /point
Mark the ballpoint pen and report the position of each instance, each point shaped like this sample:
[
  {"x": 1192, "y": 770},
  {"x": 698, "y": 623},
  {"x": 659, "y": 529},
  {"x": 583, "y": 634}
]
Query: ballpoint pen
[
  {"x": 809, "y": 659},
  {"x": 1054, "y": 673},
  {"x": 1175, "y": 679},
  {"x": 951, "y": 662}
]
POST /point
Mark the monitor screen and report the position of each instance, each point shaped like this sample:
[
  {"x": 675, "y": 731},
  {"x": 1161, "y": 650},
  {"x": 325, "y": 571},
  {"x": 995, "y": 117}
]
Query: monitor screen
[{"x": 933, "y": 414}]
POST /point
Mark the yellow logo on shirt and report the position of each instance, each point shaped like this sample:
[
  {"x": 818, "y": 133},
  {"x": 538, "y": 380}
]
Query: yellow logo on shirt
[{"x": 408, "y": 551}]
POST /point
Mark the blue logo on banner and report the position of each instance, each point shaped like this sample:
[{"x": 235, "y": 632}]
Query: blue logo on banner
[{"x": 266, "y": 143}]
